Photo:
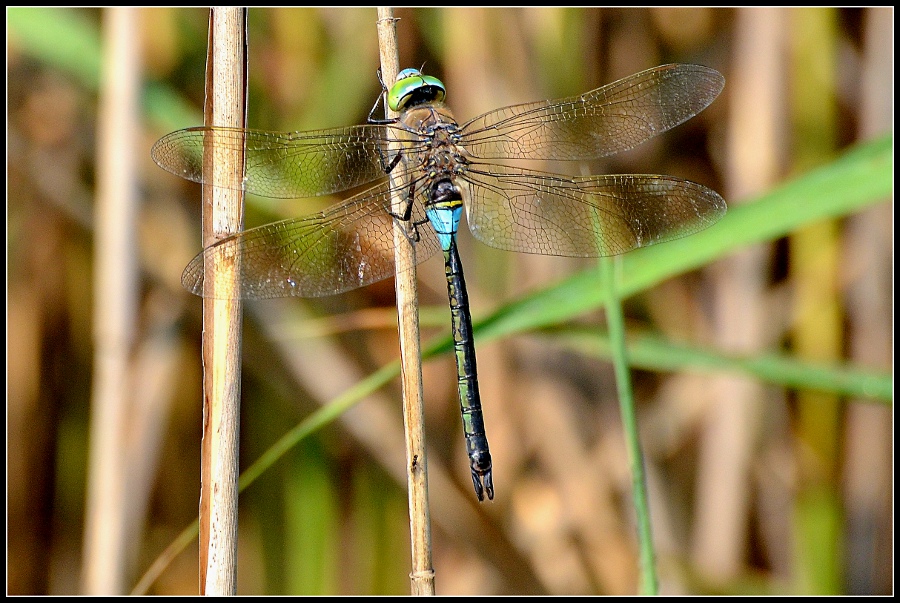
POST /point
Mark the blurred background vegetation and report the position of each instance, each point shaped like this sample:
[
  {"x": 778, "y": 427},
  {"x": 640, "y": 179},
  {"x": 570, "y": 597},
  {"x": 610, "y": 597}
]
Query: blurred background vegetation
[{"x": 757, "y": 484}]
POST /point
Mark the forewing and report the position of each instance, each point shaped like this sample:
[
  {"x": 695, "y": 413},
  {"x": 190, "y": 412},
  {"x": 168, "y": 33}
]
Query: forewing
[
  {"x": 285, "y": 165},
  {"x": 610, "y": 119}
]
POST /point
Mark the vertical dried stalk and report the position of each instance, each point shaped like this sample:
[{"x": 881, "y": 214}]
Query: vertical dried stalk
[
  {"x": 422, "y": 575},
  {"x": 222, "y": 215},
  {"x": 115, "y": 304},
  {"x": 869, "y": 446},
  {"x": 728, "y": 442}
]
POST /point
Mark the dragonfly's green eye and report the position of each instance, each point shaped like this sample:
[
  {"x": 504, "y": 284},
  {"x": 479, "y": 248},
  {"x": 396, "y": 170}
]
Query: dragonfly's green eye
[
  {"x": 408, "y": 72},
  {"x": 413, "y": 88}
]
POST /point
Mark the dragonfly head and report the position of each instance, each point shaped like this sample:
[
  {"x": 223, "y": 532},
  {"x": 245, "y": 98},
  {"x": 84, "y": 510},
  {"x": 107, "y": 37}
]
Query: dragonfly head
[{"x": 414, "y": 88}]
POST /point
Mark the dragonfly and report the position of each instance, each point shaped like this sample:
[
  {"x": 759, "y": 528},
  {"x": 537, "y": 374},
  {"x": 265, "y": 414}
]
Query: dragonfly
[{"x": 437, "y": 169}]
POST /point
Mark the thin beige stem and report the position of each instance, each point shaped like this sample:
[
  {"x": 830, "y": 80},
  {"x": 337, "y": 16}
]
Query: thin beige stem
[
  {"x": 422, "y": 575},
  {"x": 222, "y": 215},
  {"x": 115, "y": 308}
]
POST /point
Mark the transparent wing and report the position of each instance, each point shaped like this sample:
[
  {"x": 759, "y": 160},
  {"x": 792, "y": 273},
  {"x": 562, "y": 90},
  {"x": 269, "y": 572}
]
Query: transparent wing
[
  {"x": 534, "y": 212},
  {"x": 347, "y": 246},
  {"x": 610, "y": 119},
  {"x": 286, "y": 165}
]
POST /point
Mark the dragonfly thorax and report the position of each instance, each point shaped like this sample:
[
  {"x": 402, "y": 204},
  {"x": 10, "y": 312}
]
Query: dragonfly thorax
[{"x": 435, "y": 132}]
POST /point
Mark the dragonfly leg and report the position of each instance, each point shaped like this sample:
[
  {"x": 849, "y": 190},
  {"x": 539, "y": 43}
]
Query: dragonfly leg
[
  {"x": 412, "y": 233},
  {"x": 388, "y": 166},
  {"x": 384, "y": 89},
  {"x": 414, "y": 236},
  {"x": 407, "y": 211}
]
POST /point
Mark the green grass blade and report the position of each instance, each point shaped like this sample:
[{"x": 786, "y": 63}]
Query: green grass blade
[
  {"x": 616, "y": 321},
  {"x": 650, "y": 352}
]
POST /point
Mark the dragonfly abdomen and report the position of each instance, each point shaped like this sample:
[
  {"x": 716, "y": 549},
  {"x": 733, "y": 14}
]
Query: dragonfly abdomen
[
  {"x": 443, "y": 210},
  {"x": 467, "y": 375}
]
